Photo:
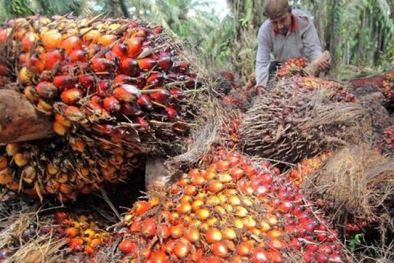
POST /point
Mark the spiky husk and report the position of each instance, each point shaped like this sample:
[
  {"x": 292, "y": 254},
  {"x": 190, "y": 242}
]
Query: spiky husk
[
  {"x": 358, "y": 181},
  {"x": 300, "y": 117}
]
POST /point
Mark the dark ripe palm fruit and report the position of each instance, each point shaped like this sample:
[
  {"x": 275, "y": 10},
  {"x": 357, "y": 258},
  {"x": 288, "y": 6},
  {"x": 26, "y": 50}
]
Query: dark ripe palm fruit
[
  {"x": 129, "y": 66},
  {"x": 63, "y": 82},
  {"x": 102, "y": 65},
  {"x": 288, "y": 123},
  {"x": 209, "y": 212},
  {"x": 161, "y": 96},
  {"x": 145, "y": 102},
  {"x": 47, "y": 90}
]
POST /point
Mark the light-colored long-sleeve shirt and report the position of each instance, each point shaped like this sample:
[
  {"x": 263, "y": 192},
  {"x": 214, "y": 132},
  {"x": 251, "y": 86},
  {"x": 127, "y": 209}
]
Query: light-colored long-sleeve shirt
[{"x": 301, "y": 41}]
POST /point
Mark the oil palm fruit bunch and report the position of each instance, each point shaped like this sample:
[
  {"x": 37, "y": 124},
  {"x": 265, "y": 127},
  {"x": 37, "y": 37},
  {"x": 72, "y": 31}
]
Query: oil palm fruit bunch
[
  {"x": 307, "y": 167},
  {"x": 74, "y": 234},
  {"x": 291, "y": 67},
  {"x": 113, "y": 78},
  {"x": 388, "y": 85},
  {"x": 229, "y": 210},
  {"x": 299, "y": 118},
  {"x": 64, "y": 166}
]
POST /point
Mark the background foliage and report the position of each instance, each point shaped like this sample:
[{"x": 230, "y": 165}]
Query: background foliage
[{"x": 359, "y": 34}]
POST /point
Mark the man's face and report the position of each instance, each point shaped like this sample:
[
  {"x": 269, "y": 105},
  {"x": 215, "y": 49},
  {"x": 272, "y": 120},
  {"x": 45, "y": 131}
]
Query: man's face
[{"x": 282, "y": 24}]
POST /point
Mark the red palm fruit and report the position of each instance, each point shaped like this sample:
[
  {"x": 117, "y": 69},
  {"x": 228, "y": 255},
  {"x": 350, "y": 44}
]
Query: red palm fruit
[
  {"x": 103, "y": 87},
  {"x": 180, "y": 66},
  {"x": 145, "y": 102},
  {"x": 134, "y": 46},
  {"x": 161, "y": 96},
  {"x": 28, "y": 40},
  {"x": 155, "y": 79},
  {"x": 95, "y": 105},
  {"x": 93, "y": 50},
  {"x": 71, "y": 43},
  {"x": 130, "y": 109},
  {"x": 120, "y": 50},
  {"x": 72, "y": 96},
  {"x": 111, "y": 56},
  {"x": 87, "y": 81},
  {"x": 146, "y": 64},
  {"x": 111, "y": 104},
  {"x": 102, "y": 65},
  {"x": 171, "y": 113},
  {"x": 78, "y": 56},
  {"x": 106, "y": 40},
  {"x": 129, "y": 66},
  {"x": 74, "y": 114},
  {"x": 144, "y": 124},
  {"x": 149, "y": 227},
  {"x": 47, "y": 90},
  {"x": 123, "y": 95},
  {"x": 53, "y": 58},
  {"x": 23, "y": 60},
  {"x": 63, "y": 82},
  {"x": 165, "y": 62},
  {"x": 158, "y": 29},
  {"x": 132, "y": 89},
  {"x": 36, "y": 64},
  {"x": 177, "y": 95},
  {"x": 123, "y": 78}
]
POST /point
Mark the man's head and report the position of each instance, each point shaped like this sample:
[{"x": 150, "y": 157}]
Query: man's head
[{"x": 279, "y": 12}]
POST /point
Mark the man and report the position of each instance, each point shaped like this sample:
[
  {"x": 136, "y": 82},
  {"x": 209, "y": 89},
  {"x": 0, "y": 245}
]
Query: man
[{"x": 284, "y": 35}]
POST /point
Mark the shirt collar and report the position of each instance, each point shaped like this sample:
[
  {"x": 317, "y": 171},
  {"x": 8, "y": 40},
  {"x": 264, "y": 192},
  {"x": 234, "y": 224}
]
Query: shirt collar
[{"x": 294, "y": 24}]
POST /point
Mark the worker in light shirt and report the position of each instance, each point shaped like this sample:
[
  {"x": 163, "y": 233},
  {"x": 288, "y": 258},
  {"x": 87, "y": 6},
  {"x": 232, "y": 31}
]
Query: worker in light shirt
[{"x": 286, "y": 34}]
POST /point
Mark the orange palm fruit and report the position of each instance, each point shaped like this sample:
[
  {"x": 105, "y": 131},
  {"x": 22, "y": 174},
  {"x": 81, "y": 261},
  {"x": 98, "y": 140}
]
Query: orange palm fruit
[
  {"x": 51, "y": 39},
  {"x": 5, "y": 177},
  {"x": 44, "y": 106},
  {"x": 59, "y": 128},
  {"x": 71, "y": 43},
  {"x": 21, "y": 159},
  {"x": 72, "y": 96},
  {"x": 24, "y": 75},
  {"x": 74, "y": 114},
  {"x": 30, "y": 93},
  {"x": 62, "y": 120},
  {"x": 12, "y": 148},
  {"x": 106, "y": 40}
]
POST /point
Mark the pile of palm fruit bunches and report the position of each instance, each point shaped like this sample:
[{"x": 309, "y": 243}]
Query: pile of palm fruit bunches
[{"x": 115, "y": 90}]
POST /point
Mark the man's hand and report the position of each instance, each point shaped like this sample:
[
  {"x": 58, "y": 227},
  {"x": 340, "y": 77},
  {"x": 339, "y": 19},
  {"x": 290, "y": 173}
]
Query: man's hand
[
  {"x": 324, "y": 64},
  {"x": 259, "y": 89}
]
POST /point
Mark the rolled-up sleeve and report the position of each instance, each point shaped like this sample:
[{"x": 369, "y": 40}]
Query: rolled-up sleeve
[{"x": 264, "y": 50}]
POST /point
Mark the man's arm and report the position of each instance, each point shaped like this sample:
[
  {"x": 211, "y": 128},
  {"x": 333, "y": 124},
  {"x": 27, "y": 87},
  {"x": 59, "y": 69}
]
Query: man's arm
[
  {"x": 263, "y": 56},
  {"x": 311, "y": 42}
]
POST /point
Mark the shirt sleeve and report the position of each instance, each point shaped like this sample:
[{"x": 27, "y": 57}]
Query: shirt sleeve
[
  {"x": 311, "y": 42},
  {"x": 264, "y": 48}
]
